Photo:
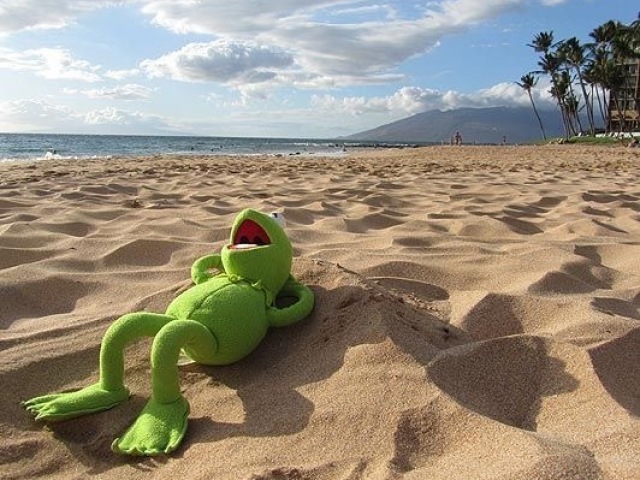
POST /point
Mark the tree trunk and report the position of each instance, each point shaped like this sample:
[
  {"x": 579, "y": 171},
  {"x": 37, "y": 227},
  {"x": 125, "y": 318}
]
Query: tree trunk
[
  {"x": 586, "y": 102},
  {"x": 607, "y": 123},
  {"x": 535, "y": 110},
  {"x": 596, "y": 93}
]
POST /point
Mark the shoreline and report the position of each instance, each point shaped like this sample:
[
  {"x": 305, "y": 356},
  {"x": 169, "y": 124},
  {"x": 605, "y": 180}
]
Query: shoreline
[{"x": 477, "y": 155}]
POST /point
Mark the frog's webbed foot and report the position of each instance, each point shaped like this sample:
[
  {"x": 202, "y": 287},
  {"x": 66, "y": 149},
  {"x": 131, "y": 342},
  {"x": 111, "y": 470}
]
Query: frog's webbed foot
[
  {"x": 62, "y": 406},
  {"x": 159, "y": 429}
]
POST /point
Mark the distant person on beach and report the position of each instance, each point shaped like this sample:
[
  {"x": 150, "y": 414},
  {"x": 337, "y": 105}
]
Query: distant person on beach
[
  {"x": 504, "y": 140},
  {"x": 458, "y": 138}
]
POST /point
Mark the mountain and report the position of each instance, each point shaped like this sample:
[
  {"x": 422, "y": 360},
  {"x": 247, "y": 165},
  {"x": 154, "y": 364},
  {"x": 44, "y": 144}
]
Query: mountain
[{"x": 476, "y": 125}]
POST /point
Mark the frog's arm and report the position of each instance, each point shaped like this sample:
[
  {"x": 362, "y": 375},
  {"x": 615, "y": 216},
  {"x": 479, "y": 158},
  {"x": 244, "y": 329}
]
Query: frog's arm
[
  {"x": 280, "y": 317},
  {"x": 199, "y": 269}
]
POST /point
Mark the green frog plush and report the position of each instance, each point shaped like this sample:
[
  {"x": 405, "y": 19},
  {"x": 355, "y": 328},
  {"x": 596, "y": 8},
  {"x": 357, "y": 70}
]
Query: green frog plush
[{"x": 218, "y": 321}]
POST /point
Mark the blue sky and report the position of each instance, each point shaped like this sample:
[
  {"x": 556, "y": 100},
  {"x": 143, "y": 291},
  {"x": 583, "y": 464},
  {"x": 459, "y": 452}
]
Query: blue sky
[{"x": 285, "y": 68}]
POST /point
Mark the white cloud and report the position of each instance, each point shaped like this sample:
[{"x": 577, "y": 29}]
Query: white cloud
[
  {"x": 300, "y": 43},
  {"x": 326, "y": 113},
  {"x": 130, "y": 91},
  {"x": 411, "y": 100},
  {"x": 220, "y": 61},
  {"x": 29, "y": 115},
  {"x": 226, "y": 17},
  {"x": 246, "y": 17},
  {"x": 359, "y": 10},
  {"x": 469, "y": 12},
  {"x": 121, "y": 74},
  {"x": 50, "y": 63},
  {"x": 320, "y": 50},
  {"x": 551, "y": 3},
  {"x": 355, "y": 50},
  {"x": 120, "y": 121},
  {"x": 16, "y": 15},
  {"x": 115, "y": 116}
]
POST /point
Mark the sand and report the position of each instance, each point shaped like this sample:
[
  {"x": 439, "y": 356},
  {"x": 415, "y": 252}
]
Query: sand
[{"x": 477, "y": 313}]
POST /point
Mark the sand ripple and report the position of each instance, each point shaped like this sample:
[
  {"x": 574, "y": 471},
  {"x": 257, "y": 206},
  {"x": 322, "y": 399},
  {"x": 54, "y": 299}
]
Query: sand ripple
[{"x": 477, "y": 313}]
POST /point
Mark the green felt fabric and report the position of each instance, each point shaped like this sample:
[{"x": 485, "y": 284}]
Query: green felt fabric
[
  {"x": 271, "y": 266},
  {"x": 280, "y": 317},
  {"x": 159, "y": 429},
  {"x": 63, "y": 406},
  {"x": 200, "y": 268},
  {"x": 220, "y": 320}
]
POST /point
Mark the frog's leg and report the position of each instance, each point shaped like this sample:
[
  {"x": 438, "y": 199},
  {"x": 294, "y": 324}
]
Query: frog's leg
[
  {"x": 110, "y": 389},
  {"x": 163, "y": 421}
]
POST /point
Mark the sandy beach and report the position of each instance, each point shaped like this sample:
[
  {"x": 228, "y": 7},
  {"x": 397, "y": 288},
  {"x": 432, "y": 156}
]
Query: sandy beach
[{"x": 477, "y": 313}]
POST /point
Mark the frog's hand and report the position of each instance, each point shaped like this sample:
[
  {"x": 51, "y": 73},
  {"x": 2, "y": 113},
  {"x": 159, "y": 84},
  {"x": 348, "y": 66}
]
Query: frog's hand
[
  {"x": 280, "y": 317},
  {"x": 62, "y": 406},
  {"x": 159, "y": 429},
  {"x": 199, "y": 269}
]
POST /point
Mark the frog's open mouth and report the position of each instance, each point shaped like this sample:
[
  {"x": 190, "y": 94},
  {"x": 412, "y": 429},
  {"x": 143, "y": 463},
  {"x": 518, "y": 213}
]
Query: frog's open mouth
[{"x": 250, "y": 235}]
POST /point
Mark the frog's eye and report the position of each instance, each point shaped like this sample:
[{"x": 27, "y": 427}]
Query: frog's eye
[{"x": 278, "y": 217}]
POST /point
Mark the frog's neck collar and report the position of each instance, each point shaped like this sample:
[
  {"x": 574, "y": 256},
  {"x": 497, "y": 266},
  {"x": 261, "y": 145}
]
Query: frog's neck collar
[{"x": 269, "y": 296}]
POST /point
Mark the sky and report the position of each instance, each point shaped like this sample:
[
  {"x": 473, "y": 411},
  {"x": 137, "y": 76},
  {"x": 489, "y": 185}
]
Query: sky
[{"x": 271, "y": 68}]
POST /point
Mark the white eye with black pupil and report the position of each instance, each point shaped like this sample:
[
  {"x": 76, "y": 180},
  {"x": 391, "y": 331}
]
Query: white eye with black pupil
[{"x": 278, "y": 217}]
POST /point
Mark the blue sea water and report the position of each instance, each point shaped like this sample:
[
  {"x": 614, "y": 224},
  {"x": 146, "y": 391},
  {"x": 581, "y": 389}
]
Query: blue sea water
[{"x": 15, "y": 146}]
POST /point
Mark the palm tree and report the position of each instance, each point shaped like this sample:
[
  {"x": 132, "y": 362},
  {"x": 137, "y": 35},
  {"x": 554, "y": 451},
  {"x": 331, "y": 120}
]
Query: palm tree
[
  {"x": 593, "y": 75},
  {"x": 635, "y": 26},
  {"x": 528, "y": 82},
  {"x": 609, "y": 51},
  {"x": 542, "y": 42},
  {"x": 603, "y": 35},
  {"x": 595, "y": 70},
  {"x": 550, "y": 64},
  {"x": 573, "y": 53},
  {"x": 560, "y": 90},
  {"x": 613, "y": 79},
  {"x": 603, "y": 65},
  {"x": 572, "y": 104},
  {"x": 623, "y": 47}
]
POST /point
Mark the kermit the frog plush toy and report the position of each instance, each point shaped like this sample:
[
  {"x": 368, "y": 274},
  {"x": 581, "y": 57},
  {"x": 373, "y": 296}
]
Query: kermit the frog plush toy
[{"x": 216, "y": 322}]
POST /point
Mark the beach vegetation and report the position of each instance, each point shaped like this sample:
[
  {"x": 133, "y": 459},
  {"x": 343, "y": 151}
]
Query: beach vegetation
[
  {"x": 592, "y": 83},
  {"x": 596, "y": 140}
]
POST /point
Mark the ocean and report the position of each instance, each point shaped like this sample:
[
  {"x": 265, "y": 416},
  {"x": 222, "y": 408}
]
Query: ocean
[{"x": 17, "y": 146}]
